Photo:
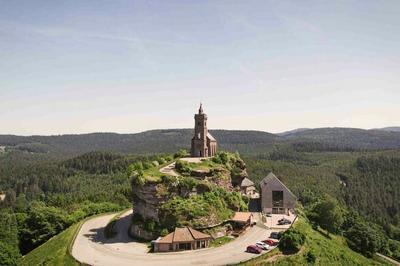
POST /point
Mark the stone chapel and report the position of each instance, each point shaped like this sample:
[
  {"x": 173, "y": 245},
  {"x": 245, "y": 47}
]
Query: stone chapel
[{"x": 203, "y": 144}]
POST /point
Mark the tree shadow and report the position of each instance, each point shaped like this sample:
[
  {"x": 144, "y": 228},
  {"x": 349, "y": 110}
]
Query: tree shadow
[
  {"x": 97, "y": 235},
  {"x": 323, "y": 233}
]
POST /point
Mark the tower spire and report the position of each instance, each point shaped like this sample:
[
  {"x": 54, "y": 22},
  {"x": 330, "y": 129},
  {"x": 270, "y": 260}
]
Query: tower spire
[{"x": 201, "y": 108}]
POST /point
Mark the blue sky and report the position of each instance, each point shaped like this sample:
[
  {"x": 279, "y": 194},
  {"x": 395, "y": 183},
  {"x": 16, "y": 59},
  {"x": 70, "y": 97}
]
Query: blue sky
[{"x": 129, "y": 66}]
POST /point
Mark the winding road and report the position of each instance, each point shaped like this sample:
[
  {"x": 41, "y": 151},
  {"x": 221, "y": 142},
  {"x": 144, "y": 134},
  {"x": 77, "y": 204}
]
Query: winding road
[{"x": 92, "y": 248}]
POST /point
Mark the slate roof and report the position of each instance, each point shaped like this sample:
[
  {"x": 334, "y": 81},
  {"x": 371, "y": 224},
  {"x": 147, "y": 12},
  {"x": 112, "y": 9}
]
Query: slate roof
[
  {"x": 210, "y": 137},
  {"x": 246, "y": 182},
  {"x": 185, "y": 234},
  {"x": 270, "y": 178}
]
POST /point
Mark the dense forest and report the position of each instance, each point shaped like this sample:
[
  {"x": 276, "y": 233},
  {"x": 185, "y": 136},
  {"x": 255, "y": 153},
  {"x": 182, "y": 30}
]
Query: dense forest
[
  {"x": 366, "y": 186},
  {"x": 45, "y": 196},
  {"x": 51, "y": 183},
  {"x": 171, "y": 140}
]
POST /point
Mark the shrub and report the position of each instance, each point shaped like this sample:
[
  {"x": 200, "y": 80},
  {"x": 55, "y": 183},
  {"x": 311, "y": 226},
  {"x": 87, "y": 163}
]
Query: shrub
[
  {"x": 181, "y": 153},
  {"x": 292, "y": 240},
  {"x": 183, "y": 167},
  {"x": 8, "y": 254},
  {"x": 221, "y": 158},
  {"x": 164, "y": 232},
  {"x": 137, "y": 218},
  {"x": 138, "y": 178},
  {"x": 203, "y": 187},
  {"x": 147, "y": 165},
  {"x": 310, "y": 257},
  {"x": 150, "y": 225}
]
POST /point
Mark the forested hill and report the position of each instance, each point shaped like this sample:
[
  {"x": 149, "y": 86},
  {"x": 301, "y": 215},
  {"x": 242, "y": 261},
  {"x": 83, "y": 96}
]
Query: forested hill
[
  {"x": 348, "y": 138},
  {"x": 170, "y": 140},
  {"x": 153, "y": 141}
]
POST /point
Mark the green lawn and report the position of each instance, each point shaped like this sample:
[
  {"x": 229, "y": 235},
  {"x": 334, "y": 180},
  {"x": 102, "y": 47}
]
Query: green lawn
[
  {"x": 333, "y": 251},
  {"x": 55, "y": 251}
]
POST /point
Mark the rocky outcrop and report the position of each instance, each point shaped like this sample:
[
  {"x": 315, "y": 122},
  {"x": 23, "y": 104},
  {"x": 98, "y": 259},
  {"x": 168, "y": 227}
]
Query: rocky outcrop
[
  {"x": 149, "y": 197},
  {"x": 147, "y": 200}
]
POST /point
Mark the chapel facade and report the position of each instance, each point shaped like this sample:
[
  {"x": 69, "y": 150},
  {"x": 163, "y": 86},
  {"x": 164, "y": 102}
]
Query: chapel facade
[{"x": 203, "y": 144}]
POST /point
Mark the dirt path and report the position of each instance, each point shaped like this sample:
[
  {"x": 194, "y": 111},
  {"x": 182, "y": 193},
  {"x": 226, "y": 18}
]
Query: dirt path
[
  {"x": 169, "y": 170},
  {"x": 92, "y": 248}
]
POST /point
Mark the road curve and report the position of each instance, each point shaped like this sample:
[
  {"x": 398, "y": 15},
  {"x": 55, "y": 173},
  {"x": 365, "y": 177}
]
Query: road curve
[{"x": 92, "y": 248}]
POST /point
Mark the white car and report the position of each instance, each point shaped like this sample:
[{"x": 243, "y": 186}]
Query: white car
[{"x": 262, "y": 245}]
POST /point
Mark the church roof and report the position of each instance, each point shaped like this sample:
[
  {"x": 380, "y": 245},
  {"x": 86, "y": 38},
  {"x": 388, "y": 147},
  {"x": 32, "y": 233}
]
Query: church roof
[
  {"x": 272, "y": 178},
  {"x": 246, "y": 182},
  {"x": 210, "y": 137}
]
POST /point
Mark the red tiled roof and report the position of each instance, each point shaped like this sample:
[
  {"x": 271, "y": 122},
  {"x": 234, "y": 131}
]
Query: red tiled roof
[
  {"x": 185, "y": 234},
  {"x": 241, "y": 216}
]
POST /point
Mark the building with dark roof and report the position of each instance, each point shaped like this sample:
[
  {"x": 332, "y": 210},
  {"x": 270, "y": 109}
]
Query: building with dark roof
[
  {"x": 276, "y": 198},
  {"x": 185, "y": 238}
]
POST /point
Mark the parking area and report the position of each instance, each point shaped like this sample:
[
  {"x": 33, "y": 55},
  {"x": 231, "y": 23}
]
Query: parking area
[{"x": 272, "y": 221}]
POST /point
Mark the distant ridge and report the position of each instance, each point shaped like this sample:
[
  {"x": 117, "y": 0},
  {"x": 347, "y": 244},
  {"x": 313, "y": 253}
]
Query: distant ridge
[
  {"x": 171, "y": 140},
  {"x": 390, "y": 129},
  {"x": 294, "y": 131}
]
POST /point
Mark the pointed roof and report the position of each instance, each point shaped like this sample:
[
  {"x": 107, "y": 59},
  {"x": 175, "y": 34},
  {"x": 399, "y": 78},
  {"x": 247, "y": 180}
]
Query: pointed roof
[
  {"x": 246, "y": 182},
  {"x": 270, "y": 178},
  {"x": 201, "y": 108},
  {"x": 210, "y": 137},
  {"x": 185, "y": 234}
]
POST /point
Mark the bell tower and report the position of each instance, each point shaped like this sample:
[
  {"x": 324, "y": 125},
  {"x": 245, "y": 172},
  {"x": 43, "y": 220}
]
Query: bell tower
[{"x": 199, "y": 140}]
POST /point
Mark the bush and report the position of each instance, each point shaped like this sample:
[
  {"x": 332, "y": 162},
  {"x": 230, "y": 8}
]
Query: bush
[
  {"x": 203, "y": 187},
  {"x": 364, "y": 239},
  {"x": 310, "y": 257},
  {"x": 164, "y": 232},
  {"x": 8, "y": 255},
  {"x": 137, "y": 218},
  {"x": 183, "y": 168},
  {"x": 181, "y": 153},
  {"x": 292, "y": 240},
  {"x": 221, "y": 158}
]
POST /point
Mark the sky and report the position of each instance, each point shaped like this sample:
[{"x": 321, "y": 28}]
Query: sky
[{"x": 78, "y": 66}]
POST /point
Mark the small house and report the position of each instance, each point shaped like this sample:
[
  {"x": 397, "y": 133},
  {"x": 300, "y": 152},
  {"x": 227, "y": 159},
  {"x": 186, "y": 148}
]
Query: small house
[
  {"x": 185, "y": 238},
  {"x": 247, "y": 187}
]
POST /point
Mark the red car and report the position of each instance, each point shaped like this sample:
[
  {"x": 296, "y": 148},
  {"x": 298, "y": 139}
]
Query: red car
[
  {"x": 270, "y": 242},
  {"x": 254, "y": 249}
]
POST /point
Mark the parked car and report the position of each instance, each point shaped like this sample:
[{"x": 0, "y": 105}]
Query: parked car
[
  {"x": 270, "y": 242},
  {"x": 275, "y": 235},
  {"x": 262, "y": 245},
  {"x": 254, "y": 249},
  {"x": 269, "y": 214},
  {"x": 284, "y": 221}
]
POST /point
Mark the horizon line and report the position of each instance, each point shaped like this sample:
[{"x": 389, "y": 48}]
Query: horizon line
[{"x": 158, "y": 129}]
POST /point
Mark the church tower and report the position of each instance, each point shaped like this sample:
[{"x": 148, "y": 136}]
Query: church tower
[{"x": 203, "y": 144}]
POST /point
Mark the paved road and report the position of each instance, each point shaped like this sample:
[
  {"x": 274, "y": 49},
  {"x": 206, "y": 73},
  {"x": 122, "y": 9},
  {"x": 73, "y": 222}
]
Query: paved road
[{"x": 90, "y": 247}]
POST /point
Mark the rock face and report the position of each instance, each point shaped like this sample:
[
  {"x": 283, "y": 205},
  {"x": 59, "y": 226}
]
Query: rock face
[
  {"x": 150, "y": 196},
  {"x": 147, "y": 200}
]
